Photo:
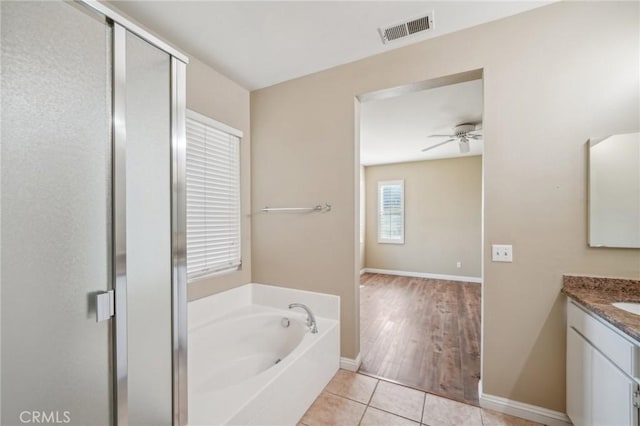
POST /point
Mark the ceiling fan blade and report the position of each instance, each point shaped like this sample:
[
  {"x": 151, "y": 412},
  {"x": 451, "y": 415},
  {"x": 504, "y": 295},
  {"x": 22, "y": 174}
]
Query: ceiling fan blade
[
  {"x": 437, "y": 145},
  {"x": 463, "y": 146},
  {"x": 473, "y": 136},
  {"x": 441, "y": 136}
]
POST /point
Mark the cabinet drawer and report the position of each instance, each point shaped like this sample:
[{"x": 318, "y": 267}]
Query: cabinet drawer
[{"x": 621, "y": 351}]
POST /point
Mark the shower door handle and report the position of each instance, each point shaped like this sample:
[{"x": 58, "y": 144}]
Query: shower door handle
[{"x": 105, "y": 305}]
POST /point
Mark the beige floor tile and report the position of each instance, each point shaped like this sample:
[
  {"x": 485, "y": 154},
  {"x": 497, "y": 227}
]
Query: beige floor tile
[
  {"x": 332, "y": 410},
  {"x": 375, "y": 417},
  {"x": 352, "y": 385},
  {"x": 399, "y": 400},
  {"x": 445, "y": 412},
  {"x": 492, "y": 418}
]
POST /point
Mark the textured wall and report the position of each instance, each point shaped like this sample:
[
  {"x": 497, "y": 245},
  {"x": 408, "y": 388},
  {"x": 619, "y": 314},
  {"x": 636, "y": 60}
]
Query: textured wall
[
  {"x": 553, "y": 78},
  {"x": 442, "y": 217}
]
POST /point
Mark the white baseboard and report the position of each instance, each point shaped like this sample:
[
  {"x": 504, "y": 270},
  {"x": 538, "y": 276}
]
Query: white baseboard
[
  {"x": 362, "y": 271},
  {"x": 350, "y": 364},
  {"x": 423, "y": 275},
  {"x": 522, "y": 410}
]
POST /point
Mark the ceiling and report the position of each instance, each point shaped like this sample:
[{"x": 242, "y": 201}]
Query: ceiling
[
  {"x": 396, "y": 130},
  {"x": 261, "y": 43}
]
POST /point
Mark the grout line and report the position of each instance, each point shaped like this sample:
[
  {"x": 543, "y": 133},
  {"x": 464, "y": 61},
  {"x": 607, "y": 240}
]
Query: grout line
[
  {"x": 345, "y": 397},
  {"x": 362, "y": 416},
  {"x": 367, "y": 405},
  {"x": 374, "y": 391},
  {"x": 429, "y": 391},
  {"x": 395, "y": 414},
  {"x": 389, "y": 412},
  {"x": 369, "y": 402}
]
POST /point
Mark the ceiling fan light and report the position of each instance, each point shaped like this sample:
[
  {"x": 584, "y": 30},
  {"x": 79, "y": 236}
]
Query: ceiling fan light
[{"x": 463, "y": 145}]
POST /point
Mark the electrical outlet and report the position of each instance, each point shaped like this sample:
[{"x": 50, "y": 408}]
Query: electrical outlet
[
  {"x": 459, "y": 265},
  {"x": 502, "y": 253}
]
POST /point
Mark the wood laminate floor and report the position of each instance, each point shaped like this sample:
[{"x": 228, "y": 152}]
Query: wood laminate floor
[{"x": 422, "y": 333}]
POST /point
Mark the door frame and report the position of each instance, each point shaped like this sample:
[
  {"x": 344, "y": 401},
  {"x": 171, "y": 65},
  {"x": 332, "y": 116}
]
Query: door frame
[{"x": 391, "y": 92}]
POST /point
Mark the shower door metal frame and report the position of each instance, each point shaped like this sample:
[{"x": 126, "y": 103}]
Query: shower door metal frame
[
  {"x": 178, "y": 63},
  {"x": 119, "y": 206},
  {"x": 179, "y": 238}
]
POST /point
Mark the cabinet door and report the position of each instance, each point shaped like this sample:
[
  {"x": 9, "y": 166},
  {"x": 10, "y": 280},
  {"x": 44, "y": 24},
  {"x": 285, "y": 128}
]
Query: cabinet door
[
  {"x": 579, "y": 360},
  {"x": 612, "y": 403}
]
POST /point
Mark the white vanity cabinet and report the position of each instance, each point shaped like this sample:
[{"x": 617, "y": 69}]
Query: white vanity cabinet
[{"x": 602, "y": 372}]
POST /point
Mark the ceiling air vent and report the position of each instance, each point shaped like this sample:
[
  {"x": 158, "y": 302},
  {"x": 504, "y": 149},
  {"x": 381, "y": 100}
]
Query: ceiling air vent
[{"x": 406, "y": 28}]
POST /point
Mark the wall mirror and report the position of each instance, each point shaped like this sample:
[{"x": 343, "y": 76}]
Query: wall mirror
[{"x": 614, "y": 191}]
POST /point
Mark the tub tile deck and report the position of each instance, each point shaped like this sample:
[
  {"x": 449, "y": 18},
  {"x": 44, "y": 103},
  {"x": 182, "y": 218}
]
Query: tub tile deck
[{"x": 353, "y": 399}]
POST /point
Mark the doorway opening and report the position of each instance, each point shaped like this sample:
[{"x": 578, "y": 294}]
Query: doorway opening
[{"x": 421, "y": 204}]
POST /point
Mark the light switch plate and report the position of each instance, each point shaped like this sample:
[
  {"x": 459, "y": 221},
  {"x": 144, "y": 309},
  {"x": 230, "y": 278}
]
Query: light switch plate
[{"x": 502, "y": 253}]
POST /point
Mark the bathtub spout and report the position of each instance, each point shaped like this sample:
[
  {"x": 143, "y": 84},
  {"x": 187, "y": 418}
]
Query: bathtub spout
[{"x": 311, "y": 319}]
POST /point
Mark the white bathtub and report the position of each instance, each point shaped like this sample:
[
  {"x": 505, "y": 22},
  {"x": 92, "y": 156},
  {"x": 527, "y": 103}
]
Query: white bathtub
[{"x": 245, "y": 368}]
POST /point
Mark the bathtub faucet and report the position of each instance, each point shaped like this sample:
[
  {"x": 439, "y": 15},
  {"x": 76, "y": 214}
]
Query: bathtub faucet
[{"x": 311, "y": 319}]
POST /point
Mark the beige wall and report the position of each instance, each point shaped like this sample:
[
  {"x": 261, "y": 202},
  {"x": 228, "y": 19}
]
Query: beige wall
[
  {"x": 553, "y": 78},
  {"x": 442, "y": 215},
  {"x": 213, "y": 95}
]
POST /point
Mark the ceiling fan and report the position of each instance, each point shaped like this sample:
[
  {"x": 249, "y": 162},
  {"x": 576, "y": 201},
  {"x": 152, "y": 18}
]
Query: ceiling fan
[{"x": 462, "y": 133}]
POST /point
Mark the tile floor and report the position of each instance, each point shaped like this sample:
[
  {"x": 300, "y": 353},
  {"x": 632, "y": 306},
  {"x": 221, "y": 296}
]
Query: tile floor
[{"x": 353, "y": 399}]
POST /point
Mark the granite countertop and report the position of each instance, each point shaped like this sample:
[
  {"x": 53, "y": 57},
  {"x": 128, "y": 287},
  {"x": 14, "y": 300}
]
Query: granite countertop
[{"x": 598, "y": 294}]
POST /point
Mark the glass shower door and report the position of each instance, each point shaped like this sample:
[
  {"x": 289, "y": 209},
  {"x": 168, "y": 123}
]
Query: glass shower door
[
  {"x": 148, "y": 170},
  {"x": 55, "y": 214}
]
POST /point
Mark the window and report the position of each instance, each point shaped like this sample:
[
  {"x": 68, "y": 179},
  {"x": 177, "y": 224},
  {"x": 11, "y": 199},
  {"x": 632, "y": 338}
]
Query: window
[
  {"x": 391, "y": 212},
  {"x": 213, "y": 197}
]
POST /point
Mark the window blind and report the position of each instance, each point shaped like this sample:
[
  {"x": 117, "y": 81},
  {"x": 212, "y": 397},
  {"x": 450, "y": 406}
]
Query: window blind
[
  {"x": 213, "y": 197},
  {"x": 391, "y": 212}
]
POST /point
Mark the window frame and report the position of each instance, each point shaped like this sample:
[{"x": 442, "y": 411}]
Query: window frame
[
  {"x": 222, "y": 127},
  {"x": 381, "y": 184}
]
